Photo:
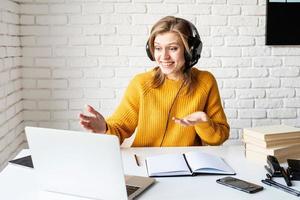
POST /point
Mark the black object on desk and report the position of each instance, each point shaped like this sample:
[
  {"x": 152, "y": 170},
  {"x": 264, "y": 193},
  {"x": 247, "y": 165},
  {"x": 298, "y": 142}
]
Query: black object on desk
[
  {"x": 239, "y": 184},
  {"x": 24, "y": 161},
  {"x": 294, "y": 169},
  {"x": 272, "y": 183},
  {"x": 276, "y": 170}
]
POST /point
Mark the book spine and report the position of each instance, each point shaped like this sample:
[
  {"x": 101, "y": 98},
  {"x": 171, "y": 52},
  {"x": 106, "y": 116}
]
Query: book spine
[
  {"x": 271, "y": 144},
  {"x": 187, "y": 163},
  {"x": 284, "y": 152},
  {"x": 254, "y": 134},
  {"x": 249, "y": 139},
  {"x": 259, "y": 157}
]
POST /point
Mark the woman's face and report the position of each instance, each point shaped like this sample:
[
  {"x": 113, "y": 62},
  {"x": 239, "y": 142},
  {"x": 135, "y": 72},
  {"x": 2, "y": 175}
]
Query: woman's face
[{"x": 169, "y": 54}]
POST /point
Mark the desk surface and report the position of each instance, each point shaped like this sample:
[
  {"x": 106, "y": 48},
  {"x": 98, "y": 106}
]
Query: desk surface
[{"x": 17, "y": 184}]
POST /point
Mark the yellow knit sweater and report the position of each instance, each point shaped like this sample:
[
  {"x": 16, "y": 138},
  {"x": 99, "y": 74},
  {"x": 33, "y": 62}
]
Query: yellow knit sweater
[{"x": 150, "y": 111}]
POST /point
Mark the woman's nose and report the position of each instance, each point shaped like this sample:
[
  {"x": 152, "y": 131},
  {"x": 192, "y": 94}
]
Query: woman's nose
[{"x": 165, "y": 53}]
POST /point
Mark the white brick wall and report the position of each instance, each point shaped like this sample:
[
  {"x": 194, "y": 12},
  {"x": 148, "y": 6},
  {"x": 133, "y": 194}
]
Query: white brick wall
[
  {"x": 78, "y": 52},
  {"x": 11, "y": 106}
]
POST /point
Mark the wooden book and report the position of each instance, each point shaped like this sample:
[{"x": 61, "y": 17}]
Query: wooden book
[
  {"x": 277, "y": 151},
  {"x": 271, "y": 143},
  {"x": 262, "y": 157},
  {"x": 273, "y": 132}
]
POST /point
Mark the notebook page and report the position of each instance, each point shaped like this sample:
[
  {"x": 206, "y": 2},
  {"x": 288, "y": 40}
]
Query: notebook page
[
  {"x": 167, "y": 164},
  {"x": 207, "y": 163}
]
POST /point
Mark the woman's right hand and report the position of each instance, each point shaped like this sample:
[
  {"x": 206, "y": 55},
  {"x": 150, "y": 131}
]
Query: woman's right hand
[{"x": 95, "y": 123}]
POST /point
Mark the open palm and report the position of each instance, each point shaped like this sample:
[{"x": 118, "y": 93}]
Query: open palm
[
  {"x": 192, "y": 119},
  {"x": 94, "y": 123}
]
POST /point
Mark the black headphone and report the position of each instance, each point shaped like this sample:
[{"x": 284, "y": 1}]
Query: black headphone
[{"x": 195, "y": 45}]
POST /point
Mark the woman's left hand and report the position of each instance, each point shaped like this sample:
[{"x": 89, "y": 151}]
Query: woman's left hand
[{"x": 192, "y": 119}]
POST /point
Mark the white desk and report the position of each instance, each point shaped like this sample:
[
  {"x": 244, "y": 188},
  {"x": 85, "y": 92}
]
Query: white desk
[{"x": 16, "y": 182}]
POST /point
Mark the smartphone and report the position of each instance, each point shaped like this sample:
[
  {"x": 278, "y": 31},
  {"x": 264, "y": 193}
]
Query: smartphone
[{"x": 240, "y": 184}]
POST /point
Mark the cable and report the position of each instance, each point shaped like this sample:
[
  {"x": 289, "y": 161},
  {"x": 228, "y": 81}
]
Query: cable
[{"x": 168, "y": 119}]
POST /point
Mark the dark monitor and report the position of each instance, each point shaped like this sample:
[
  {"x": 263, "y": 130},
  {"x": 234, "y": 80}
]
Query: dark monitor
[{"x": 283, "y": 23}]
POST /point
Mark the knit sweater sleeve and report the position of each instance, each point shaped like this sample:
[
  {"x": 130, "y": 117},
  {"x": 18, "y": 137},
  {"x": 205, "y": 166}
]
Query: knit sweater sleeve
[
  {"x": 123, "y": 121},
  {"x": 216, "y": 130}
]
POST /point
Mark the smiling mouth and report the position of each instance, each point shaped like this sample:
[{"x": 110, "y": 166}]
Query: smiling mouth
[{"x": 166, "y": 64}]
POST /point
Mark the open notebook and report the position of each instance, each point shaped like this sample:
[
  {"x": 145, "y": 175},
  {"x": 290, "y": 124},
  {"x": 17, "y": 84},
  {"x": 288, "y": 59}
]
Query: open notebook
[{"x": 187, "y": 164}]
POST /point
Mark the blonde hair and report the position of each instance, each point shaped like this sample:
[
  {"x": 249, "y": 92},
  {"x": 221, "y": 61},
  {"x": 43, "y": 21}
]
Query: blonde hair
[{"x": 182, "y": 28}]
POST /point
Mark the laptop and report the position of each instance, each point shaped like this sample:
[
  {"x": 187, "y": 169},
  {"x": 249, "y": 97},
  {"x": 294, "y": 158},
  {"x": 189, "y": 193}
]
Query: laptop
[{"x": 82, "y": 165}]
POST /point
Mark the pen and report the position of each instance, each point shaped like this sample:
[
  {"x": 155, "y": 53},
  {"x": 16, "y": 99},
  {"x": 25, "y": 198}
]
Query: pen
[
  {"x": 279, "y": 186},
  {"x": 136, "y": 160}
]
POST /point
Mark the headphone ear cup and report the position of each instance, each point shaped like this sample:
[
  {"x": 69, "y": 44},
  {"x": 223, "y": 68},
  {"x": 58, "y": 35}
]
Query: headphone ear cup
[
  {"x": 195, "y": 45},
  {"x": 188, "y": 57},
  {"x": 149, "y": 54},
  {"x": 196, "y": 52}
]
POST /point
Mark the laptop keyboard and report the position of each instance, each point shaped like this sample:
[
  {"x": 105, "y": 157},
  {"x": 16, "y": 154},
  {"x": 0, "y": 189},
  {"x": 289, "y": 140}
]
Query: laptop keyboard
[{"x": 131, "y": 189}]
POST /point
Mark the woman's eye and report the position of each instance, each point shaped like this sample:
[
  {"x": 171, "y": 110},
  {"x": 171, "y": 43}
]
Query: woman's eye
[
  {"x": 157, "y": 48},
  {"x": 173, "y": 48}
]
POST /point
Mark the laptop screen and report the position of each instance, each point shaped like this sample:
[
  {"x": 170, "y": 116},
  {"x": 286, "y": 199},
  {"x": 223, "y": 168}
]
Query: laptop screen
[{"x": 77, "y": 163}]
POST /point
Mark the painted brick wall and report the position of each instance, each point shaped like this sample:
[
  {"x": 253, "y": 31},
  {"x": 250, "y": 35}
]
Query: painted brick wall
[
  {"x": 77, "y": 52},
  {"x": 11, "y": 119}
]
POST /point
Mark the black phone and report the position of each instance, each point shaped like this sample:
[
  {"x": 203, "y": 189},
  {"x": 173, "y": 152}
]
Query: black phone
[{"x": 240, "y": 184}]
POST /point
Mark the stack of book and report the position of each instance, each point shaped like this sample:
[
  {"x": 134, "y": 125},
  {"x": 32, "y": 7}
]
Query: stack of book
[{"x": 280, "y": 141}]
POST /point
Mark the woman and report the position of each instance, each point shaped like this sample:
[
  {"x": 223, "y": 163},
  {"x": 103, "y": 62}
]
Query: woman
[{"x": 172, "y": 105}]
